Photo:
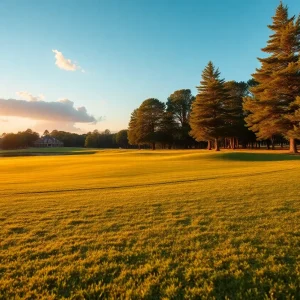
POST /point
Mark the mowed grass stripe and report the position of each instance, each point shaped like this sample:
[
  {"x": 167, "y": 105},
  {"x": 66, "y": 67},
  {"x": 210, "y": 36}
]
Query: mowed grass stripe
[
  {"x": 107, "y": 168},
  {"x": 149, "y": 184}
]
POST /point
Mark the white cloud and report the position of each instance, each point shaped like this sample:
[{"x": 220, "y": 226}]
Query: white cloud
[
  {"x": 27, "y": 96},
  {"x": 66, "y": 101},
  {"x": 65, "y": 63},
  {"x": 62, "y": 110}
]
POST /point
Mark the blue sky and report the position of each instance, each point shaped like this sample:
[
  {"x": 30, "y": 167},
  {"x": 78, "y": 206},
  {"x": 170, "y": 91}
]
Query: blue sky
[{"x": 130, "y": 50}]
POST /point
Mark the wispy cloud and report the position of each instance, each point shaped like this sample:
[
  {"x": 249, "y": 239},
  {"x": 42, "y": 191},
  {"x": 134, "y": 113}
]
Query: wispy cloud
[
  {"x": 65, "y": 63},
  {"x": 28, "y": 96},
  {"x": 62, "y": 110}
]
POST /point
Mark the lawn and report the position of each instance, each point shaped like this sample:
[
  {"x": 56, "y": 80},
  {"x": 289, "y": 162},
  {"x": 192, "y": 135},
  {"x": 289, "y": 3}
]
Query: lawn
[
  {"x": 129, "y": 224},
  {"x": 45, "y": 151}
]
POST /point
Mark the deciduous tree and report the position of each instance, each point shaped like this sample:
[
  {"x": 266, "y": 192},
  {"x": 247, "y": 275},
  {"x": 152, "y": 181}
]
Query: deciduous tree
[
  {"x": 179, "y": 105},
  {"x": 122, "y": 138},
  {"x": 149, "y": 118},
  {"x": 133, "y": 137}
]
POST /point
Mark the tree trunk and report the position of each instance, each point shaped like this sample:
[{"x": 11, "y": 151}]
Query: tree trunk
[
  {"x": 233, "y": 143},
  {"x": 229, "y": 146},
  {"x": 217, "y": 146},
  {"x": 272, "y": 143},
  {"x": 208, "y": 145},
  {"x": 293, "y": 146},
  {"x": 153, "y": 146}
]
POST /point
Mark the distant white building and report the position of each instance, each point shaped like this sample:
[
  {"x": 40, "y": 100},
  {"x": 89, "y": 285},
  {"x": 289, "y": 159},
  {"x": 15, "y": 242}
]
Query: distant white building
[{"x": 48, "y": 142}]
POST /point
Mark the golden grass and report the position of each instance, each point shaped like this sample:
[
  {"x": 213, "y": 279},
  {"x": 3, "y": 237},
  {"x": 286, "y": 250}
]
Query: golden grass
[{"x": 140, "y": 224}]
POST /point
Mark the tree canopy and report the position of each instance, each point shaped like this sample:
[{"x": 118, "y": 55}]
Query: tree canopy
[
  {"x": 208, "y": 115},
  {"x": 149, "y": 119},
  {"x": 273, "y": 107},
  {"x": 179, "y": 106}
]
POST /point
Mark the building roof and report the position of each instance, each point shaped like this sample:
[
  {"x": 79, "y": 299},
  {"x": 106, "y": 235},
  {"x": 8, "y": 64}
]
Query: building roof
[{"x": 47, "y": 140}]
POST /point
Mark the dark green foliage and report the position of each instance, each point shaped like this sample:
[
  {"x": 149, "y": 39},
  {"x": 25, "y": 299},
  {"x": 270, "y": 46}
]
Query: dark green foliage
[
  {"x": 236, "y": 125},
  {"x": 179, "y": 106},
  {"x": 145, "y": 126},
  {"x": 150, "y": 116},
  {"x": 91, "y": 140},
  {"x": 19, "y": 140},
  {"x": 106, "y": 139},
  {"x": 69, "y": 139},
  {"x": 98, "y": 139},
  {"x": 167, "y": 131},
  {"x": 122, "y": 138},
  {"x": 209, "y": 114}
]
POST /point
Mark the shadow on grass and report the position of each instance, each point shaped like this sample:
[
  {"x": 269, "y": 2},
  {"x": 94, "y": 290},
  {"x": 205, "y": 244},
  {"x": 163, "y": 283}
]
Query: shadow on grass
[
  {"x": 44, "y": 153},
  {"x": 238, "y": 156}
]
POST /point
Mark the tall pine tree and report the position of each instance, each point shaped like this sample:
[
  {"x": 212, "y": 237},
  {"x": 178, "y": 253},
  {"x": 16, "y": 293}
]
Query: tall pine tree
[
  {"x": 208, "y": 115},
  {"x": 273, "y": 105}
]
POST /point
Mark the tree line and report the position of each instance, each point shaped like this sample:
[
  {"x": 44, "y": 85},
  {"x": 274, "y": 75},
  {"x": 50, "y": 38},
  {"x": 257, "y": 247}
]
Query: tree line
[
  {"x": 22, "y": 139},
  {"x": 95, "y": 139},
  {"x": 265, "y": 110}
]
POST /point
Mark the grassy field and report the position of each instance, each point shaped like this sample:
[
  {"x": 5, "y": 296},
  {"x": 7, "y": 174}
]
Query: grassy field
[
  {"x": 46, "y": 151},
  {"x": 150, "y": 225}
]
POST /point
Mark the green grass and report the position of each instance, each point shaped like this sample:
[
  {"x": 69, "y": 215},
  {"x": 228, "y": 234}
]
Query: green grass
[
  {"x": 46, "y": 151},
  {"x": 150, "y": 225}
]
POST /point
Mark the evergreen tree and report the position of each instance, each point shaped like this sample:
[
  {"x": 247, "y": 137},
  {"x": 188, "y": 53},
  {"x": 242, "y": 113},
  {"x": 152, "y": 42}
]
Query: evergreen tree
[
  {"x": 295, "y": 119},
  {"x": 208, "y": 115},
  {"x": 273, "y": 106}
]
